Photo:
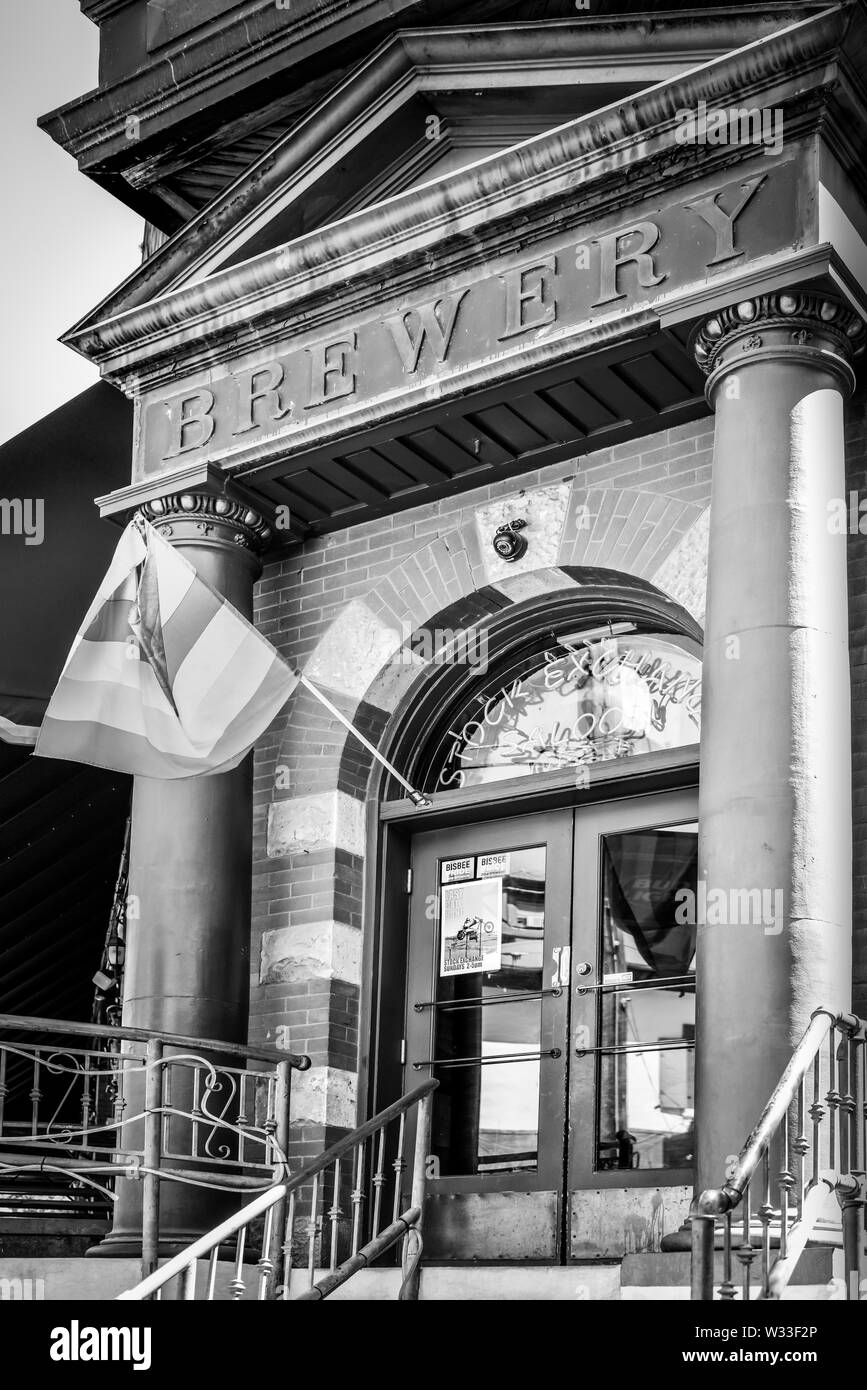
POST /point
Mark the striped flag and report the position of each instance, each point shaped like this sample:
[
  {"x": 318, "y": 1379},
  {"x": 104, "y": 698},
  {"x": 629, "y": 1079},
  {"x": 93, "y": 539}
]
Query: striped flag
[
  {"x": 23, "y": 734},
  {"x": 165, "y": 678}
]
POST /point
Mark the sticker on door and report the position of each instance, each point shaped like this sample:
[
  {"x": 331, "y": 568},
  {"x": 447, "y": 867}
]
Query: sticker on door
[
  {"x": 472, "y": 927},
  {"x": 494, "y": 865},
  {"x": 456, "y": 870}
]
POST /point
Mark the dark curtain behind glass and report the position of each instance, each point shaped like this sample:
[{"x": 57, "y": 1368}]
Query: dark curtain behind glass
[{"x": 644, "y": 871}]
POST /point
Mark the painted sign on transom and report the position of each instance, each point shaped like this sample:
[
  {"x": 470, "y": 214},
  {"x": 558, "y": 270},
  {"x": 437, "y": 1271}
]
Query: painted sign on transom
[{"x": 577, "y": 707}]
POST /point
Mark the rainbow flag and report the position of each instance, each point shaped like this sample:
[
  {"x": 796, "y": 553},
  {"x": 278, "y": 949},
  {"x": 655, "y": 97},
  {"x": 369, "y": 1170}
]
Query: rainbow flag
[{"x": 165, "y": 678}]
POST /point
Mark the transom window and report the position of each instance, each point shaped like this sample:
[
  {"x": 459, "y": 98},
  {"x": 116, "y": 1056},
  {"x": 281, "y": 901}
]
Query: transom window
[{"x": 586, "y": 698}]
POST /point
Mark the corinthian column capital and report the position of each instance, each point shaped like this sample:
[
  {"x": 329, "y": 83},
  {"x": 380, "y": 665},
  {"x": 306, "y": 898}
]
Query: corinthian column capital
[{"x": 798, "y": 325}]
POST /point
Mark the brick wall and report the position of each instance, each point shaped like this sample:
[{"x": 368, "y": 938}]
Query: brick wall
[{"x": 334, "y": 606}]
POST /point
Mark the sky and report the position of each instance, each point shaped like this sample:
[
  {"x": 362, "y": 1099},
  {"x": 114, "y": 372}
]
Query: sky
[{"x": 64, "y": 242}]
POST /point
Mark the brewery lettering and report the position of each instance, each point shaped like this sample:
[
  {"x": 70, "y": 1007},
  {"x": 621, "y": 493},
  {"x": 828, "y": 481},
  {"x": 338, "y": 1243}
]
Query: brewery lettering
[{"x": 560, "y": 288}]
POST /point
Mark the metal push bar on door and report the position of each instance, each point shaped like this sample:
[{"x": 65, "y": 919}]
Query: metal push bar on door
[
  {"x": 626, "y": 1048},
  {"x": 488, "y": 1061},
  {"x": 455, "y": 1004},
  {"x": 627, "y": 986}
]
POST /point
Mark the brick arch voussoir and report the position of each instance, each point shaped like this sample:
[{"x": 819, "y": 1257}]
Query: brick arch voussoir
[{"x": 626, "y": 529}]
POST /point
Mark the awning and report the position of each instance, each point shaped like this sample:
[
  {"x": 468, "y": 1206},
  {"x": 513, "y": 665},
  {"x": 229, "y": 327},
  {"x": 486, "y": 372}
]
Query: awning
[
  {"x": 61, "y": 826},
  {"x": 49, "y": 576}
]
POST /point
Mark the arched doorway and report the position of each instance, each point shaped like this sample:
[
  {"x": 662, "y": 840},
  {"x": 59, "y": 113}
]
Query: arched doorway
[{"x": 537, "y": 924}]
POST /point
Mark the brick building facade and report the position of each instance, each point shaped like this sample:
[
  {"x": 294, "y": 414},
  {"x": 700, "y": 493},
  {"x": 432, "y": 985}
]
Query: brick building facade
[{"x": 475, "y": 341}]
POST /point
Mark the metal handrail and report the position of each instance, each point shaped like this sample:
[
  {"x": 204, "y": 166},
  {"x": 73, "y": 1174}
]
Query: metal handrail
[
  {"x": 365, "y": 1131},
  {"x": 785, "y": 1092},
  {"x": 25, "y": 1024},
  {"x": 845, "y": 1174},
  {"x": 386, "y": 1240},
  {"x": 280, "y": 1199}
]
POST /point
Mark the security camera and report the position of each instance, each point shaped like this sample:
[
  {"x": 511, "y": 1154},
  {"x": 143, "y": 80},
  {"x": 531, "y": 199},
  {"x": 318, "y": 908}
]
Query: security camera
[{"x": 509, "y": 544}]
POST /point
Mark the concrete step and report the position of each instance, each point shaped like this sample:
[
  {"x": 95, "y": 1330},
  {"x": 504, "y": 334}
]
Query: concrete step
[
  {"x": 640, "y": 1278},
  {"x": 665, "y": 1277},
  {"x": 477, "y": 1283},
  {"x": 56, "y": 1280}
]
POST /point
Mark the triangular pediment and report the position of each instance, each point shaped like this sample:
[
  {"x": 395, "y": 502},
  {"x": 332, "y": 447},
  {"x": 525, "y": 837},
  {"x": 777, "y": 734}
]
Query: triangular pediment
[{"x": 424, "y": 105}]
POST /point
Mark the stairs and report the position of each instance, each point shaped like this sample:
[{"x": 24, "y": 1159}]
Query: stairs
[{"x": 790, "y": 1211}]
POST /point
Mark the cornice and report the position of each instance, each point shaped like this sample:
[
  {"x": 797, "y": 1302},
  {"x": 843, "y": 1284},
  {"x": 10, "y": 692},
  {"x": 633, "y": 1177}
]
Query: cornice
[
  {"x": 845, "y": 128},
  {"x": 472, "y": 202},
  {"x": 810, "y": 270},
  {"x": 353, "y": 290},
  {"x": 410, "y": 62},
  {"x": 255, "y": 38},
  {"x": 98, "y": 11},
  {"x": 258, "y": 33}
]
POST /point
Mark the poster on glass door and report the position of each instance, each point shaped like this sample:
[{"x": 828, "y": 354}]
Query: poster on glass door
[{"x": 472, "y": 927}]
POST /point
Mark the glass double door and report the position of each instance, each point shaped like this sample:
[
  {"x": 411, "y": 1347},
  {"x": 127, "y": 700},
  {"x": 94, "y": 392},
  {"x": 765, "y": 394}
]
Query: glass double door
[{"x": 551, "y": 992}]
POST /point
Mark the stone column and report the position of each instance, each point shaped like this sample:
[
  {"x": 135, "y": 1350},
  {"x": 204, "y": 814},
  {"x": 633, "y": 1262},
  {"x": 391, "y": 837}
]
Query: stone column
[
  {"x": 188, "y": 940},
  {"x": 775, "y": 800}
]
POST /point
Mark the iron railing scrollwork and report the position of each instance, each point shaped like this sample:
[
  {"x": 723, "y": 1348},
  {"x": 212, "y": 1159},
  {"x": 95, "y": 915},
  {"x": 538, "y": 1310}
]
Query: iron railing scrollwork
[{"x": 75, "y": 1116}]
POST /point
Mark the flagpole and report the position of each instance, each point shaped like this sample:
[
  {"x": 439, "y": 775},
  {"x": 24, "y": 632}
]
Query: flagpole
[{"x": 417, "y": 797}]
